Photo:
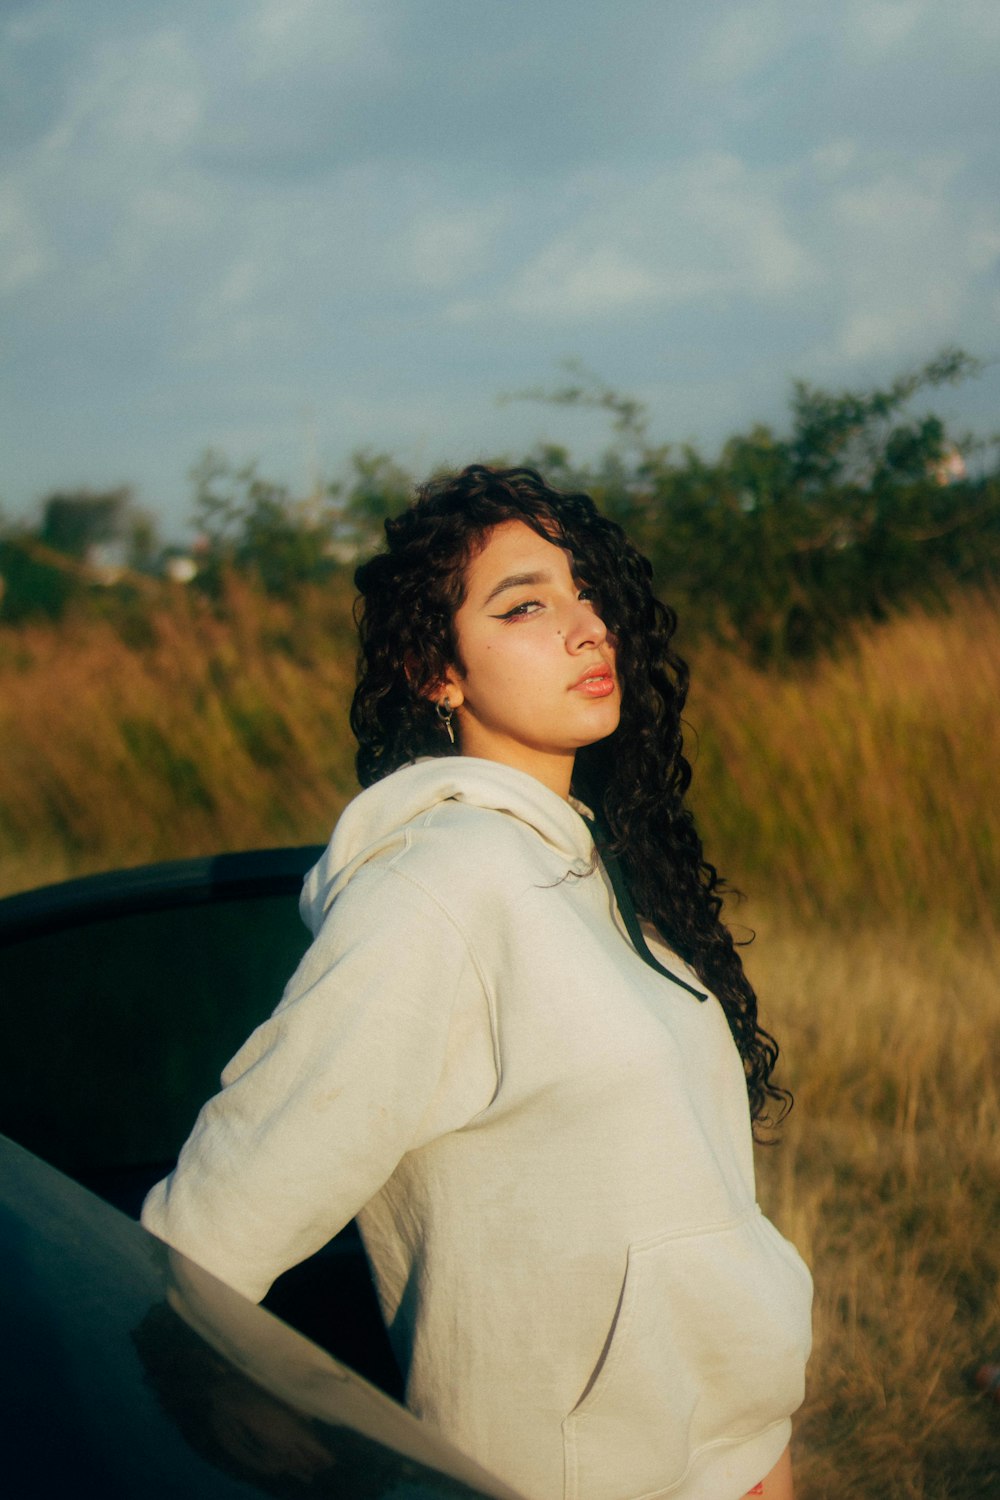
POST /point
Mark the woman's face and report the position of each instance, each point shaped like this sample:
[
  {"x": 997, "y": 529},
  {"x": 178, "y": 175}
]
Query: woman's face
[{"x": 538, "y": 676}]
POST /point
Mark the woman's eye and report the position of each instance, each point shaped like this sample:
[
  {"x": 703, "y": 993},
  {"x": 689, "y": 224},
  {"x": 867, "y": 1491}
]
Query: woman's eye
[
  {"x": 587, "y": 593},
  {"x": 519, "y": 611}
]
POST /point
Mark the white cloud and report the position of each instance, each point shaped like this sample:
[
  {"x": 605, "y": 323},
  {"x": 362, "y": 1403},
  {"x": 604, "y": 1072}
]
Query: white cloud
[
  {"x": 739, "y": 216},
  {"x": 911, "y": 258},
  {"x": 983, "y": 243},
  {"x": 980, "y": 19},
  {"x": 881, "y": 25},
  {"x": 898, "y": 204},
  {"x": 286, "y": 36},
  {"x": 25, "y": 253},
  {"x": 569, "y": 281},
  {"x": 835, "y": 158},
  {"x": 445, "y": 245},
  {"x": 131, "y": 100},
  {"x": 709, "y": 228},
  {"x": 103, "y": 178},
  {"x": 743, "y": 40},
  {"x": 245, "y": 309},
  {"x": 241, "y": 283},
  {"x": 41, "y": 21},
  {"x": 280, "y": 24},
  {"x": 874, "y": 332},
  {"x": 962, "y": 32}
]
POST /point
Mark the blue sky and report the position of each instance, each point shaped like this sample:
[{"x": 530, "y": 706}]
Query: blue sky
[{"x": 290, "y": 229}]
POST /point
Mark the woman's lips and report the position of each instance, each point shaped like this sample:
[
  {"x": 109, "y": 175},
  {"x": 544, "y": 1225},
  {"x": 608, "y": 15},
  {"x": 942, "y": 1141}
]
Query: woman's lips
[{"x": 597, "y": 682}]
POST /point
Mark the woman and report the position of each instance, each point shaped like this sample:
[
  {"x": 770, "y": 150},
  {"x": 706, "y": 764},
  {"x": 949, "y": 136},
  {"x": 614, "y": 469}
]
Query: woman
[{"x": 538, "y": 1104}]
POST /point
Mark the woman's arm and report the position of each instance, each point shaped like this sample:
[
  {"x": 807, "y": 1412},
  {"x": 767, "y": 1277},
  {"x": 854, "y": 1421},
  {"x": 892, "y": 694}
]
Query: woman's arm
[
  {"x": 381, "y": 1039},
  {"x": 777, "y": 1485}
]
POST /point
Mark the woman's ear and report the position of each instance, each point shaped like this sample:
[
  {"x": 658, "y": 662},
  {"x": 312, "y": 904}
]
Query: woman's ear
[
  {"x": 446, "y": 686},
  {"x": 450, "y": 688}
]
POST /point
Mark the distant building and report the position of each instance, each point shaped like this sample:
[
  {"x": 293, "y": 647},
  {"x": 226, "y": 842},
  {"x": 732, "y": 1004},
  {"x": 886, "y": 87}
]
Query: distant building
[
  {"x": 106, "y": 562},
  {"x": 180, "y": 567},
  {"x": 949, "y": 468}
]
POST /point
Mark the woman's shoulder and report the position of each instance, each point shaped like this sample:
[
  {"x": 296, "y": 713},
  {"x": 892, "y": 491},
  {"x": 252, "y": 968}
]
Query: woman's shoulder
[
  {"x": 466, "y": 831},
  {"x": 481, "y": 806},
  {"x": 468, "y": 851}
]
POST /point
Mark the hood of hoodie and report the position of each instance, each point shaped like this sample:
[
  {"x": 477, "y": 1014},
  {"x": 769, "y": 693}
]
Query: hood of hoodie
[{"x": 375, "y": 822}]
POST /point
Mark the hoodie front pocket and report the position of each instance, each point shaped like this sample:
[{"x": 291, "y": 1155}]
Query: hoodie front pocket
[{"x": 709, "y": 1344}]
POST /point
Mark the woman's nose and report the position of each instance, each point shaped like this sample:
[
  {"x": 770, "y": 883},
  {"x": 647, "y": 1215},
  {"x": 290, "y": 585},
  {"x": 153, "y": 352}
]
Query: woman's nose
[{"x": 586, "y": 628}]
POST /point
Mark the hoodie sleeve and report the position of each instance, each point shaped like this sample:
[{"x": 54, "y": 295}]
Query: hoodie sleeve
[{"x": 381, "y": 1041}]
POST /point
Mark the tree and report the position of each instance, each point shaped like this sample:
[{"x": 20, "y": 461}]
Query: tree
[
  {"x": 379, "y": 489},
  {"x": 782, "y": 541},
  {"x": 81, "y": 523},
  {"x": 34, "y": 585},
  {"x": 77, "y": 521},
  {"x": 249, "y": 523},
  {"x": 83, "y": 539}
]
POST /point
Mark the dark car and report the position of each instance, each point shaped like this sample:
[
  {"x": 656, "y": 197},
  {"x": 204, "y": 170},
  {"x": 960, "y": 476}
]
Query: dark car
[{"x": 126, "y": 1369}]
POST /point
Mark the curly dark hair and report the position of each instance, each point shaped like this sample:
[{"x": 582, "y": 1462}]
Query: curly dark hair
[{"x": 635, "y": 780}]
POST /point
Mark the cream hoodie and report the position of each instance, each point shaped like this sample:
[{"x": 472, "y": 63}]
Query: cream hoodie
[{"x": 546, "y": 1143}]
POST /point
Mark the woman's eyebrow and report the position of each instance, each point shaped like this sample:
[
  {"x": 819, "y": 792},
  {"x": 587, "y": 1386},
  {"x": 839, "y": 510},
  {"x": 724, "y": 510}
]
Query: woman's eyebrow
[{"x": 518, "y": 581}]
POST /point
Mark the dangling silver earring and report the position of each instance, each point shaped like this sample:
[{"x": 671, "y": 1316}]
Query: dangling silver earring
[{"x": 445, "y": 713}]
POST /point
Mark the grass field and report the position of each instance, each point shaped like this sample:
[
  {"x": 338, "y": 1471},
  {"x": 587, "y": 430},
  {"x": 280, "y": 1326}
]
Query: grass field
[
  {"x": 184, "y": 730},
  {"x": 855, "y": 799},
  {"x": 888, "y": 1178}
]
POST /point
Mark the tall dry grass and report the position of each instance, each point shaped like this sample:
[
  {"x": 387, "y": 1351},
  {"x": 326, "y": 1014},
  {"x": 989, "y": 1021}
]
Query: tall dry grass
[
  {"x": 857, "y": 794},
  {"x": 185, "y": 730},
  {"x": 861, "y": 785},
  {"x": 887, "y": 1176}
]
